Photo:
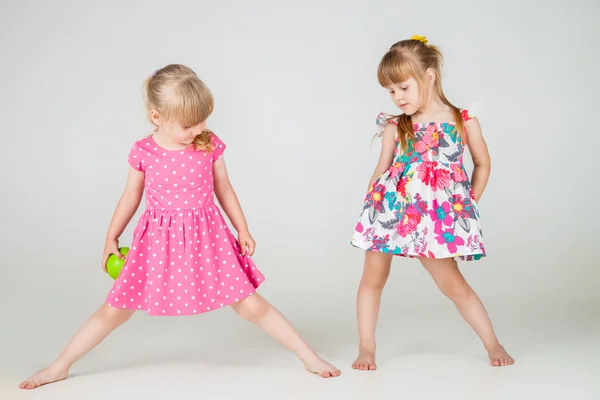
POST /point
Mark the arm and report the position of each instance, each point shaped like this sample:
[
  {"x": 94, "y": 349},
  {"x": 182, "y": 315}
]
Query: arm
[
  {"x": 229, "y": 202},
  {"x": 480, "y": 155},
  {"x": 126, "y": 208},
  {"x": 388, "y": 146}
]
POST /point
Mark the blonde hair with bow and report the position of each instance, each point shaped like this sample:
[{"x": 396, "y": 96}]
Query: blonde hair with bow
[{"x": 176, "y": 92}]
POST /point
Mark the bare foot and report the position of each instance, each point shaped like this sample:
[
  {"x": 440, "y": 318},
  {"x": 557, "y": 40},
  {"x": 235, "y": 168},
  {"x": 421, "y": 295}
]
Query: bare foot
[
  {"x": 315, "y": 364},
  {"x": 365, "y": 360},
  {"x": 499, "y": 357},
  {"x": 49, "y": 375}
]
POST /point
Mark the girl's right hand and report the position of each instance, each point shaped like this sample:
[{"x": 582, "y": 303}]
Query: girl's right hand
[{"x": 111, "y": 247}]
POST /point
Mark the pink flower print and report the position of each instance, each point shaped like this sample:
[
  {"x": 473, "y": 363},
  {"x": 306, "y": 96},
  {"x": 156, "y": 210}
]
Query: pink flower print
[
  {"x": 440, "y": 179},
  {"x": 430, "y": 140},
  {"x": 409, "y": 221},
  {"x": 425, "y": 171},
  {"x": 421, "y": 147},
  {"x": 458, "y": 173},
  {"x": 401, "y": 185},
  {"x": 360, "y": 228},
  {"x": 447, "y": 236},
  {"x": 396, "y": 169},
  {"x": 461, "y": 205},
  {"x": 376, "y": 197},
  {"x": 441, "y": 212}
]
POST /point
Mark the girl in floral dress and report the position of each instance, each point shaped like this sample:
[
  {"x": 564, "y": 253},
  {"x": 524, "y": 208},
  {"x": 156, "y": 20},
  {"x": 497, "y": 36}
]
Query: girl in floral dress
[{"x": 421, "y": 202}]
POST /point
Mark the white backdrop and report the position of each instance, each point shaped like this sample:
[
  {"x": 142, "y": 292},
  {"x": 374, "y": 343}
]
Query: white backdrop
[{"x": 296, "y": 100}]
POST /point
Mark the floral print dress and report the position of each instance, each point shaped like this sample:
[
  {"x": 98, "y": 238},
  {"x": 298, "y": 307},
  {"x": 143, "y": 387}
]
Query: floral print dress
[{"x": 423, "y": 204}]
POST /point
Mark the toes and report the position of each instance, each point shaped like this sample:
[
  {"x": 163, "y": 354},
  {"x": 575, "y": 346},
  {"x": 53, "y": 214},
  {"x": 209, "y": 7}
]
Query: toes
[
  {"x": 495, "y": 362},
  {"x": 364, "y": 366}
]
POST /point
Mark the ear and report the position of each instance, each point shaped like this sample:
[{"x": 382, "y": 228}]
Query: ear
[
  {"x": 430, "y": 76},
  {"x": 155, "y": 117}
]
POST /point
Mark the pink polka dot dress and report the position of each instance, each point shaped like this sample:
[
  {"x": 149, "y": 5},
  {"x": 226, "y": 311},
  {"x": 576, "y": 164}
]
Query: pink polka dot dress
[{"x": 183, "y": 260}]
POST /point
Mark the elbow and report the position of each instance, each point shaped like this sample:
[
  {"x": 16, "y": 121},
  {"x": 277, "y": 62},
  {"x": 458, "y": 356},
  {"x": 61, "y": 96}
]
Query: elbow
[{"x": 483, "y": 164}]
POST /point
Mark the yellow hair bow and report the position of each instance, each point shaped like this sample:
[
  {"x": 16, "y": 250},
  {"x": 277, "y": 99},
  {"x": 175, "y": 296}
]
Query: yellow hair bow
[{"x": 422, "y": 39}]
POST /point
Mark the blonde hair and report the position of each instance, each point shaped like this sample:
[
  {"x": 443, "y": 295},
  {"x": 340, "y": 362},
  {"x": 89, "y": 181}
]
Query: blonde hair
[
  {"x": 411, "y": 59},
  {"x": 176, "y": 92}
]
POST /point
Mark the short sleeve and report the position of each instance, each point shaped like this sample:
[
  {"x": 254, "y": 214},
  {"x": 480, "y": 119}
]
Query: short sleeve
[
  {"x": 465, "y": 115},
  {"x": 218, "y": 147},
  {"x": 135, "y": 157},
  {"x": 382, "y": 120}
]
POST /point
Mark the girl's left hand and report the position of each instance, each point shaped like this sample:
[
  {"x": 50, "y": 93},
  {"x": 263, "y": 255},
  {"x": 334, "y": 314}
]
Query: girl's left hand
[{"x": 248, "y": 244}]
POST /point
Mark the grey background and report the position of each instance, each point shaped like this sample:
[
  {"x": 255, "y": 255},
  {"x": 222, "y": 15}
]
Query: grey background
[{"x": 296, "y": 101}]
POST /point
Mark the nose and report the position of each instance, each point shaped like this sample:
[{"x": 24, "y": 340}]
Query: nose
[{"x": 398, "y": 96}]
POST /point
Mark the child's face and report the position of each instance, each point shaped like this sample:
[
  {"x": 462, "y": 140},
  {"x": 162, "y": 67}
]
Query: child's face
[
  {"x": 406, "y": 95},
  {"x": 184, "y": 134},
  {"x": 176, "y": 131}
]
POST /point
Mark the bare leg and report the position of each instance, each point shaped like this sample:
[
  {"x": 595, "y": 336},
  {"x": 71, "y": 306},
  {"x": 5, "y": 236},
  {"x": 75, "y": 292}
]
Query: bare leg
[
  {"x": 258, "y": 311},
  {"x": 375, "y": 274},
  {"x": 451, "y": 282},
  {"x": 95, "y": 329}
]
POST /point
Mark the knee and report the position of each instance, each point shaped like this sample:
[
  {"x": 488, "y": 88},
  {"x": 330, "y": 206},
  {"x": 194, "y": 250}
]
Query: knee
[
  {"x": 458, "y": 291},
  {"x": 252, "y": 308},
  {"x": 376, "y": 271},
  {"x": 374, "y": 282}
]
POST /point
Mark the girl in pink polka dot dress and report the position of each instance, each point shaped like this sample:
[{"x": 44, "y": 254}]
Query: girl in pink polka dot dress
[{"x": 183, "y": 260}]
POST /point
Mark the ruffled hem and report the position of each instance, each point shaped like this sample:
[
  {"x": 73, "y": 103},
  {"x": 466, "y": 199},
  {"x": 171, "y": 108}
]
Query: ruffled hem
[
  {"x": 462, "y": 257},
  {"x": 213, "y": 304}
]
